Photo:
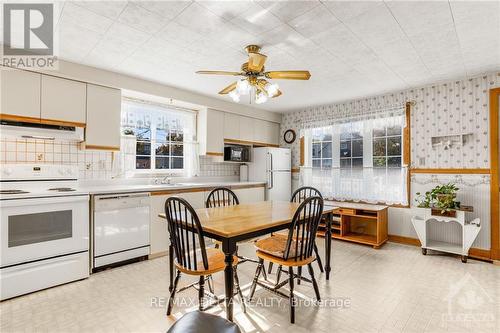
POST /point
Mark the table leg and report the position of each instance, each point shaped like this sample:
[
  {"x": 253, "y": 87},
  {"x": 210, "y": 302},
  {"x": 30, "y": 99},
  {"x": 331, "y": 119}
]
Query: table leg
[
  {"x": 171, "y": 266},
  {"x": 229, "y": 248},
  {"x": 328, "y": 244}
]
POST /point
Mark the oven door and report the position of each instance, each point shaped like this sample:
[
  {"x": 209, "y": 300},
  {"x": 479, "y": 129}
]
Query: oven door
[{"x": 34, "y": 229}]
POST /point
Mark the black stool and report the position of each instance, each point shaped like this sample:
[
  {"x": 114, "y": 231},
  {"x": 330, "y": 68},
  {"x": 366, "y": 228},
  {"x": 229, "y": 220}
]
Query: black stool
[{"x": 202, "y": 322}]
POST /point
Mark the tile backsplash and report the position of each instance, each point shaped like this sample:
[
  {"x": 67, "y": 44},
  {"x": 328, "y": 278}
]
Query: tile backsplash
[{"x": 92, "y": 164}]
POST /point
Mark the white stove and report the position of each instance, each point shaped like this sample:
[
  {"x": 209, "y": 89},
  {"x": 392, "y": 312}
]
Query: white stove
[{"x": 44, "y": 228}]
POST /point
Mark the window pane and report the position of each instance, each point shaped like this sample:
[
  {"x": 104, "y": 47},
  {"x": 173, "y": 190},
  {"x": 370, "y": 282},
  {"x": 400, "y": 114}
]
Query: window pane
[
  {"x": 177, "y": 162},
  {"x": 176, "y": 136},
  {"x": 161, "y": 135},
  {"x": 394, "y": 146},
  {"x": 357, "y": 148},
  {"x": 143, "y": 148},
  {"x": 394, "y": 162},
  {"x": 394, "y": 130},
  {"x": 143, "y": 162},
  {"x": 322, "y": 134},
  {"x": 316, "y": 150},
  {"x": 379, "y": 147},
  {"x": 326, "y": 150},
  {"x": 379, "y": 162},
  {"x": 143, "y": 133},
  {"x": 162, "y": 149},
  {"x": 379, "y": 131},
  {"x": 327, "y": 163},
  {"x": 357, "y": 162},
  {"x": 345, "y": 163},
  {"x": 177, "y": 150},
  {"x": 316, "y": 163},
  {"x": 345, "y": 148},
  {"x": 162, "y": 162}
]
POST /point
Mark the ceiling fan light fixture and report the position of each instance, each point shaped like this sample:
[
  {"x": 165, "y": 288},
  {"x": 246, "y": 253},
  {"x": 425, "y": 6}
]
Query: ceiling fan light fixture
[
  {"x": 260, "y": 97},
  {"x": 235, "y": 96},
  {"x": 243, "y": 87},
  {"x": 272, "y": 89}
]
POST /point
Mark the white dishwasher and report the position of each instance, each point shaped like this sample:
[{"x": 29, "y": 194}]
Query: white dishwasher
[{"x": 121, "y": 228}]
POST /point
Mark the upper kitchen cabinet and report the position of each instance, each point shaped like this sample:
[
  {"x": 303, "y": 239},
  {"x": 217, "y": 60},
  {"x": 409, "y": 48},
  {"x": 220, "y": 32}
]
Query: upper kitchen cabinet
[
  {"x": 20, "y": 92},
  {"x": 211, "y": 132},
  {"x": 231, "y": 126},
  {"x": 103, "y": 118},
  {"x": 266, "y": 132},
  {"x": 63, "y": 100},
  {"x": 246, "y": 129}
]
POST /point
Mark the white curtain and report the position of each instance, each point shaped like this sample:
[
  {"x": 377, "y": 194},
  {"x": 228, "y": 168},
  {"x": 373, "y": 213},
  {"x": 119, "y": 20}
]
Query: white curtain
[
  {"x": 372, "y": 185},
  {"x": 367, "y": 183}
]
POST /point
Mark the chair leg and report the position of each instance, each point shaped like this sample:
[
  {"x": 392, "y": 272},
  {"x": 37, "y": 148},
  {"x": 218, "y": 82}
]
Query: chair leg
[
  {"x": 210, "y": 283},
  {"x": 172, "y": 293},
  {"x": 264, "y": 274},
  {"x": 270, "y": 268},
  {"x": 315, "y": 284},
  {"x": 292, "y": 298},
  {"x": 238, "y": 290},
  {"x": 201, "y": 293},
  {"x": 255, "y": 278},
  {"x": 318, "y": 258},
  {"x": 278, "y": 274},
  {"x": 299, "y": 273}
]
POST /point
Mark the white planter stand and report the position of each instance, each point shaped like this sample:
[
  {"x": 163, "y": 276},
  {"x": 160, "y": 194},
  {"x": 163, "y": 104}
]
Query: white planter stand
[{"x": 470, "y": 230}]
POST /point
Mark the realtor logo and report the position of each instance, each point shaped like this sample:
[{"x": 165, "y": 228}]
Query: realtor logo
[
  {"x": 28, "y": 36},
  {"x": 28, "y": 29}
]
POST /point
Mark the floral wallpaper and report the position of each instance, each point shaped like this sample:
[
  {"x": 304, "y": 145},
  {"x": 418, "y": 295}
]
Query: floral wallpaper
[{"x": 455, "y": 107}]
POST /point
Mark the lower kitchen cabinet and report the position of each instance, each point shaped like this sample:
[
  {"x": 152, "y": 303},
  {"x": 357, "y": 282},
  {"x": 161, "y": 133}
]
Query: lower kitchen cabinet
[
  {"x": 249, "y": 195},
  {"x": 158, "y": 228}
]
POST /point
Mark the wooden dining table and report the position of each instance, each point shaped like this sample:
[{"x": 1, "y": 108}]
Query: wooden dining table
[{"x": 233, "y": 224}]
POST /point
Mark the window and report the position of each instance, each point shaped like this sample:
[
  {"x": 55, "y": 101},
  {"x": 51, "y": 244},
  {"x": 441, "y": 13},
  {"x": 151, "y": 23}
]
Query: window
[
  {"x": 351, "y": 145},
  {"x": 161, "y": 133},
  {"x": 361, "y": 160},
  {"x": 387, "y": 152},
  {"x": 322, "y": 148}
]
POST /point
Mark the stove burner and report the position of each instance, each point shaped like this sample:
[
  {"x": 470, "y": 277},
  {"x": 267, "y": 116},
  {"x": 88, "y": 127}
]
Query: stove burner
[
  {"x": 62, "y": 189},
  {"x": 13, "y": 192}
]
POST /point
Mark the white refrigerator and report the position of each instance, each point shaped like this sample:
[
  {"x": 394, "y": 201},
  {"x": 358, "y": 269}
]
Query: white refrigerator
[{"x": 273, "y": 166}]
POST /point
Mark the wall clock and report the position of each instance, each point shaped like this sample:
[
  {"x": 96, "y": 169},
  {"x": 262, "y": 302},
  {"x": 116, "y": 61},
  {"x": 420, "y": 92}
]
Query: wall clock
[{"x": 289, "y": 136}]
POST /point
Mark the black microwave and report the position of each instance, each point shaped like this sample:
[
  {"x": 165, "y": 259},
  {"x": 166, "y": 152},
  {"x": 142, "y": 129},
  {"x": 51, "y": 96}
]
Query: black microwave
[{"x": 236, "y": 153}]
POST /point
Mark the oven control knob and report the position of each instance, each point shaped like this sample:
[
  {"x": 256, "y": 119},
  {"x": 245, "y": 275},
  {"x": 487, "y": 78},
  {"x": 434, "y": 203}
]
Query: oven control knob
[
  {"x": 60, "y": 171},
  {"x": 7, "y": 171},
  {"x": 68, "y": 171}
]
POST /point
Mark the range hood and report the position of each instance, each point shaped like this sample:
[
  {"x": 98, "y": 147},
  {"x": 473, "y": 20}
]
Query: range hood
[{"x": 40, "y": 131}]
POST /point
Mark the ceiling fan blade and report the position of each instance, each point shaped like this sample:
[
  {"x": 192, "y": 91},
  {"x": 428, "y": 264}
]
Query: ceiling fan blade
[
  {"x": 219, "y": 73},
  {"x": 228, "y": 89},
  {"x": 288, "y": 75},
  {"x": 256, "y": 62}
]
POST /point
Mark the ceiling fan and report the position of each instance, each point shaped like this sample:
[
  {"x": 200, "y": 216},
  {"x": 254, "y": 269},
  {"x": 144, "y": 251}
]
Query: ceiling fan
[{"x": 254, "y": 78}]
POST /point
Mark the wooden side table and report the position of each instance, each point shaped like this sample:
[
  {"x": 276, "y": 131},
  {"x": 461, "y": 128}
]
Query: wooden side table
[{"x": 470, "y": 230}]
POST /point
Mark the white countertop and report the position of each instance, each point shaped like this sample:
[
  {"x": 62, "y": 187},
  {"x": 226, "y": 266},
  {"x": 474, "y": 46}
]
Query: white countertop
[{"x": 124, "y": 188}]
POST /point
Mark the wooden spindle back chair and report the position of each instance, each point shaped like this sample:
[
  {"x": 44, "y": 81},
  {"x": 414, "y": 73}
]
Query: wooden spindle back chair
[{"x": 220, "y": 197}]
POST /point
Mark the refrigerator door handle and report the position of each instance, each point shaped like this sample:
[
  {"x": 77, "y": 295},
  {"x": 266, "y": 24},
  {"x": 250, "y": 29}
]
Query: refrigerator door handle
[{"x": 271, "y": 180}]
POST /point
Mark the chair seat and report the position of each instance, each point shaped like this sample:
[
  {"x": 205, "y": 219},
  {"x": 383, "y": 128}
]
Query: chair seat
[
  {"x": 215, "y": 263},
  {"x": 273, "y": 249},
  {"x": 196, "y": 322}
]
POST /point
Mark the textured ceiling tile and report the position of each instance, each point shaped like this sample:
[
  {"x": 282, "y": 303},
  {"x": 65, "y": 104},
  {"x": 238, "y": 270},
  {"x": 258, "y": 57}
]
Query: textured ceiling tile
[
  {"x": 256, "y": 20},
  {"x": 314, "y": 21},
  {"x": 345, "y": 10},
  {"x": 110, "y": 9},
  {"x": 179, "y": 34},
  {"x": 228, "y": 10},
  {"x": 199, "y": 19},
  {"x": 125, "y": 33},
  {"x": 168, "y": 9},
  {"x": 142, "y": 19},
  {"x": 72, "y": 14},
  {"x": 288, "y": 10}
]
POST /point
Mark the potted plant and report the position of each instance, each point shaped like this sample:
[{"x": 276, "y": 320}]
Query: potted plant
[{"x": 441, "y": 199}]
